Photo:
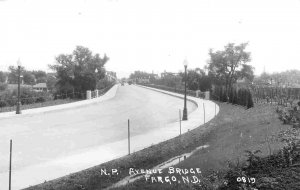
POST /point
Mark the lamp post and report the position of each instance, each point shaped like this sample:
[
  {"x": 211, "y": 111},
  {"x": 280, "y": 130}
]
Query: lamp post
[
  {"x": 96, "y": 71},
  {"x": 18, "y": 111},
  {"x": 185, "y": 116},
  {"x": 200, "y": 75}
]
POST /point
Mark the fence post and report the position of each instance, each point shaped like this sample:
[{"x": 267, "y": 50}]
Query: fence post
[
  {"x": 180, "y": 121},
  {"x": 128, "y": 137},
  {"x": 215, "y": 109},
  {"x": 204, "y": 112},
  {"x": 207, "y": 95},
  {"x": 88, "y": 95},
  {"x": 10, "y": 151}
]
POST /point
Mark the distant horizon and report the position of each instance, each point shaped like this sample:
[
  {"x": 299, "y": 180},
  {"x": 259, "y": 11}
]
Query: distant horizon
[{"x": 47, "y": 72}]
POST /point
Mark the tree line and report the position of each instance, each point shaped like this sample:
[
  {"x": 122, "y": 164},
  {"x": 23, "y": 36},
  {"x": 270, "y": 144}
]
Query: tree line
[
  {"x": 220, "y": 75},
  {"x": 29, "y": 77},
  {"x": 73, "y": 74},
  {"x": 290, "y": 78}
]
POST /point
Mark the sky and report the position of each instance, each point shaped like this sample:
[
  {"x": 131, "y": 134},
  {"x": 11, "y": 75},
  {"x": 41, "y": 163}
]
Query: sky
[{"x": 152, "y": 35}]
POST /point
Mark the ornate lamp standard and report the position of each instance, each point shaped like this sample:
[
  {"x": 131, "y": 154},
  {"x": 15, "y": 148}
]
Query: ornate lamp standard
[
  {"x": 185, "y": 116},
  {"x": 96, "y": 71},
  {"x": 18, "y": 111},
  {"x": 200, "y": 75}
]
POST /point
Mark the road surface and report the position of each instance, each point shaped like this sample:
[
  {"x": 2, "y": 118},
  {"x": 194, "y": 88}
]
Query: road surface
[{"x": 44, "y": 137}]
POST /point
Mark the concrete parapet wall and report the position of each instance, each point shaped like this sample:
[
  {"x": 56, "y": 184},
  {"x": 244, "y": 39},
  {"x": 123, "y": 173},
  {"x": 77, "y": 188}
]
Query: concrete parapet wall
[{"x": 108, "y": 95}]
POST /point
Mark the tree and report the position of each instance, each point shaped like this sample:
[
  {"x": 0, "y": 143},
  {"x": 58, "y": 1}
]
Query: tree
[
  {"x": 196, "y": 79},
  {"x": 289, "y": 78},
  {"x": 28, "y": 78},
  {"x": 193, "y": 78},
  {"x": 247, "y": 71},
  {"x": 51, "y": 81},
  {"x": 140, "y": 74},
  {"x": 76, "y": 71},
  {"x": 226, "y": 66},
  {"x": 13, "y": 74},
  {"x": 2, "y": 76},
  {"x": 40, "y": 76}
]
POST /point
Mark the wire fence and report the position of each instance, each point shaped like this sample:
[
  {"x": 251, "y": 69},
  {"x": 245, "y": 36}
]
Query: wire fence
[
  {"x": 287, "y": 97},
  {"x": 286, "y": 100}
]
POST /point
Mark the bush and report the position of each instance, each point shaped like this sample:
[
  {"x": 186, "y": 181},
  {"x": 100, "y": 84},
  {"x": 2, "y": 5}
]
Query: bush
[
  {"x": 27, "y": 96},
  {"x": 27, "y": 100},
  {"x": 3, "y": 86},
  {"x": 12, "y": 101},
  {"x": 240, "y": 96},
  {"x": 3, "y": 103},
  {"x": 250, "y": 100}
]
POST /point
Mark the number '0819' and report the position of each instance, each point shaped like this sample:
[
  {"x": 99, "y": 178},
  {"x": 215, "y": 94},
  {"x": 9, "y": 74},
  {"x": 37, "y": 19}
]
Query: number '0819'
[{"x": 245, "y": 179}]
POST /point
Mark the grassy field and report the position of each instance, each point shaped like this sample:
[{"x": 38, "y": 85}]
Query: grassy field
[{"x": 228, "y": 135}]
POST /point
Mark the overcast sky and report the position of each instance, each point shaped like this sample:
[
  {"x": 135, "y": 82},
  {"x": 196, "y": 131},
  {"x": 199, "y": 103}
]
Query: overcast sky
[{"x": 150, "y": 35}]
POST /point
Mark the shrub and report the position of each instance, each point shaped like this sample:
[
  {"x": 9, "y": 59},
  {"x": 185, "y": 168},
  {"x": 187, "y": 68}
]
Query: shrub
[
  {"x": 27, "y": 100},
  {"x": 27, "y": 96},
  {"x": 235, "y": 97},
  {"x": 12, "y": 101},
  {"x": 250, "y": 100},
  {"x": 3, "y": 103},
  {"x": 3, "y": 86},
  {"x": 240, "y": 96}
]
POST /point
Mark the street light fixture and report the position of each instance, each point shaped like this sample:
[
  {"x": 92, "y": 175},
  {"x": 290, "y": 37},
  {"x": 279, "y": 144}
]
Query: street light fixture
[
  {"x": 184, "y": 115},
  {"x": 18, "y": 111}
]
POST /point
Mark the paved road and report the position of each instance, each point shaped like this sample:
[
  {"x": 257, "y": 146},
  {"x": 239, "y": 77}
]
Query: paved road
[{"x": 43, "y": 137}]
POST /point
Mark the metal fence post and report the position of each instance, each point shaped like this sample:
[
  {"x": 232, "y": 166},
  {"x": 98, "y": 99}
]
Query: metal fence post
[
  {"x": 10, "y": 150},
  {"x": 128, "y": 137},
  {"x": 180, "y": 121},
  {"x": 204, "y": 112}
]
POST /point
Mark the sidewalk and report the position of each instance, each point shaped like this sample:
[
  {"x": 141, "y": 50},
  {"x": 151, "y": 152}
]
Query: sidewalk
[{"x": 108, "y": 95}]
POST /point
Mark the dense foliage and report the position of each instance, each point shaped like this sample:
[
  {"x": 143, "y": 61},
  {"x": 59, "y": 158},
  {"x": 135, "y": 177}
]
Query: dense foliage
[
  {"x": 238, "y": 96},
  {"x": 28, "y": 77},
  {"x": 197, "y": 80},
  {"x": 288, "y": 78},
  {"x": 27, "y": 96},
  {"x": 227, "y": 66},
  {"x": 79, "y": 71},
  {"x": 2, "y": 76},
  {"x": 3, "y": 86}
]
